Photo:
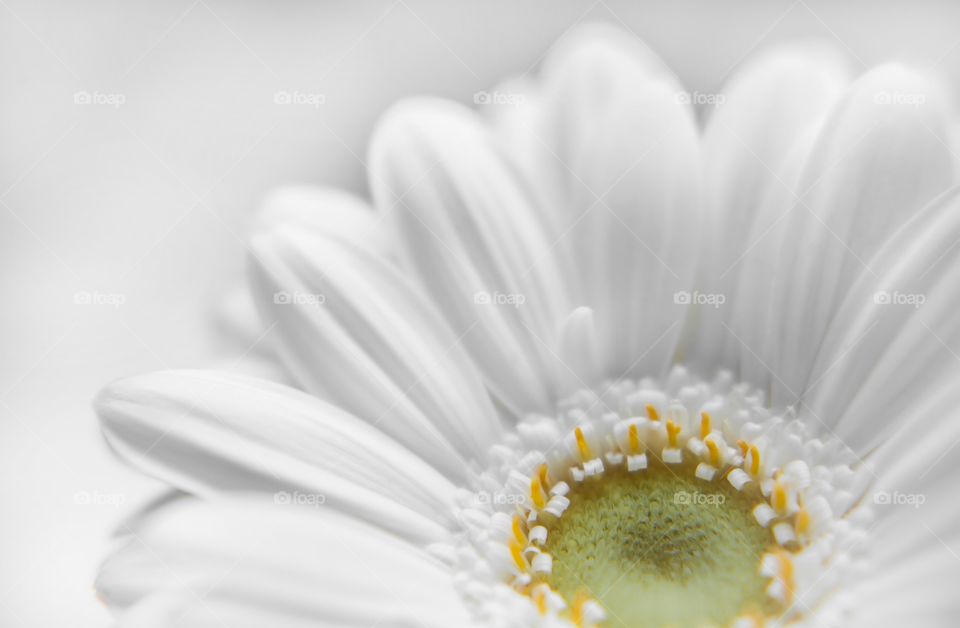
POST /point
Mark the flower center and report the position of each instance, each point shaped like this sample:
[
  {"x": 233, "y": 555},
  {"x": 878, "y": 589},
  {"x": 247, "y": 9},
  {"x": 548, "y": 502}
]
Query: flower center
[
  {"x": 686, "y": 503},
  {"x": 661, "y": 548}
]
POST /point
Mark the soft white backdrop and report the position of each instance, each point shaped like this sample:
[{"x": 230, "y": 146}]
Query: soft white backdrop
[{"x": 148, "y": 203}]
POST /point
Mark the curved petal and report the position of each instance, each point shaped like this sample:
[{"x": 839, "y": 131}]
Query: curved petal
[
  {"x": 585, "y": 76},
  {"x": 207, "y": 433},
  {"x": 879, "y": 159},
  {"x": 896, "y": 337},
  {"x": 915, "y": 543},
  {"x": 754, "y": 130},
  {"x": 251, "y": 563},
  {"x": 247, "y": 343},
  {"x": 314, "y": 209},
  {"x": 355, "y": 331},
  {"x": 636, "y": 236},
  {"x": 326, "y": 211},
  {"x": 472, "y": 234},
  {"x": 578, "y": 364}
]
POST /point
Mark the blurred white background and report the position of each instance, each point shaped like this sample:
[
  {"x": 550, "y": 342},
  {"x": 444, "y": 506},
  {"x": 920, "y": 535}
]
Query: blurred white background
[{"x": 148, "y": 202}]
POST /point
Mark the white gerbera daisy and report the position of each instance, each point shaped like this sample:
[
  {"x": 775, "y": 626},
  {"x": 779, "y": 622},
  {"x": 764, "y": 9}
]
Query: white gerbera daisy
[{"x": 593, "y": 366}]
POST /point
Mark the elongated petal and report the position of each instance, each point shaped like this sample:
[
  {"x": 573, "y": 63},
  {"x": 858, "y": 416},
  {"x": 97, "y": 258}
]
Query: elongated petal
[
  {"x": 756, "y": 125},
  {"x": 879, "y": 159},
  {"x": 636, "y": 235},
  {"x": 585, "y": 76},
  {"x": 915, "y": 557},
  {"x": 326, "y": 211},
  {"x": 895, "y": 339},
  {"x": 251, "y": 563},
  {"x": 209, "y": 433},
  {"x": 355, "y": 331},
  {"x": 474, "y": 238}
]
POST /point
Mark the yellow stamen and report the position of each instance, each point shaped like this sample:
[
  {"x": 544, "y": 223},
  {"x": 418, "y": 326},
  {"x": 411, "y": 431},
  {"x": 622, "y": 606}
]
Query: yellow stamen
[
  {"x": 787, "y": 574},
  {"x": 540, "y": 596},
  {"x": 714, "y": 452},
  {"x": 652, "y": 413},
  {"x": 673, "y": 430},
  {"x": 754, "y": 460},
  {"x": 780, "y": 498},
  {"x": 518, "y": 532},
  {"x": 633, "y": 434},
  {"x": 537, "y": 493},
  {"x": 545, "y": 476},
  {"x": 803, "y": 521},
  {"x": 704, "y": 425},
  {"x": 516, "y": 550},
  {"x": 576, "y": 613},
  {"x": 744, "y": 447},
  {"x": 582, "y": 445}
]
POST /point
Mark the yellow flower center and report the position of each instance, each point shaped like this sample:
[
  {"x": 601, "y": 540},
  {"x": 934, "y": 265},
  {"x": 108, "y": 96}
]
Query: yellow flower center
[{"x": 661, "y": 549}]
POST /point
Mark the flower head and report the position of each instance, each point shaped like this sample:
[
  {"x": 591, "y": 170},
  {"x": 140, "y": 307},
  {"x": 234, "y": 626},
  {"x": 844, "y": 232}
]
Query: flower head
[{"x": 587, "y": 363}]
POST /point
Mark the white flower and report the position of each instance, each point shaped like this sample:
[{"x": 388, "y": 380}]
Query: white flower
[{"x": 585, "y": 364}]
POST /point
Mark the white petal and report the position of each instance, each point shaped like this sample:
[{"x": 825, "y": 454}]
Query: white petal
[
  {"x": 875, "y": 165},
  {"x": 579, "y": 365},
  {"x": 251, "y": 561},
  {"x": 332, "y": 212},
  {"x": 756, "y": 123},
  {"x": 636, "y": 234},
  {"x": 621, "y": 151},
  {"x": 919, "y": 591},
  {"x": 749, "y": 333},
  {"x": 587, "y": 74},
  {"x": 895, "y": 339},
  {"x": 187, "y": 608},
  {"x": 915, "y": 545},
  {"x": 248, "y": 343},
  {"x": 355, "y": 331},
  {"x": 208, "y": 432},
  {"x": 472, "y": 234}
]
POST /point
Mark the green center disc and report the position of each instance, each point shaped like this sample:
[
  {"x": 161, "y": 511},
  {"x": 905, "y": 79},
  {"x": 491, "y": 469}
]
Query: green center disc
[{"x": 660, "y": 548}]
